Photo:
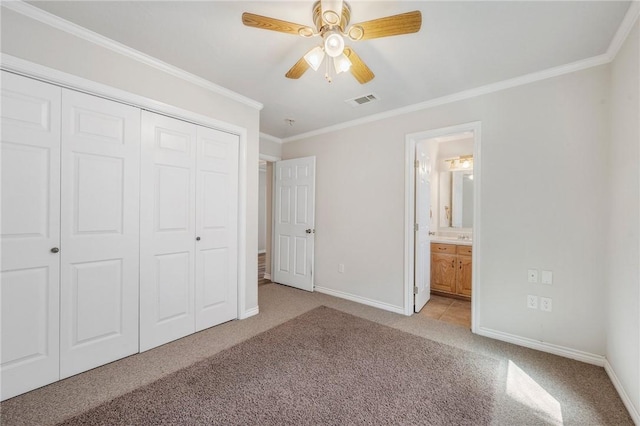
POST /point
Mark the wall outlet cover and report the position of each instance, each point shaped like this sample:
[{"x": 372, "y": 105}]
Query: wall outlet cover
[
  {"x": 532, "y": 302},
  {"x": 547, "y": 277},
  {"x": 532, "y": 275},
  {"x": 546, "y": 304}
]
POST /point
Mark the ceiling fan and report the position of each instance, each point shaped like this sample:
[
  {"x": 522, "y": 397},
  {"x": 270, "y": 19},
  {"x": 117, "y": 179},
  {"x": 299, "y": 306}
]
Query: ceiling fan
[{"x": 331, "y": 19}]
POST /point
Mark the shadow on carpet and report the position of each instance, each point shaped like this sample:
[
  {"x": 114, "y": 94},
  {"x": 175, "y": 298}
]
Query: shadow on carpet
[{"x": 323, "y": 367}]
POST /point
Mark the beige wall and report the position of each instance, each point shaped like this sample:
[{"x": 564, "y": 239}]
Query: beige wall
[
  {"x": 270, "y": 147},
  {"x": 543, "y": 153},
  {"x": 623, "y": 207},
  {"x": 31, "y": 40}
]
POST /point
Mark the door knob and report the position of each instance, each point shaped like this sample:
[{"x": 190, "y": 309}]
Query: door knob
[
  {"x": 197, "y": 238},
  {"x": 310, "y": 231},
  {"x": 55, "y": 250}
]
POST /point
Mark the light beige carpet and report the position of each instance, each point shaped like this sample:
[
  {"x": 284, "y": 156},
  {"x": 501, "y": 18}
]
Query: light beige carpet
[
  {"x": 323, "y": 367},
  {"x": 532, "y": 388}
]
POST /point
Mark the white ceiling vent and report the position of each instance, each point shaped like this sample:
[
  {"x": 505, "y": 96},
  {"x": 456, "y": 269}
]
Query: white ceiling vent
[{"x": 362, "y": 100}]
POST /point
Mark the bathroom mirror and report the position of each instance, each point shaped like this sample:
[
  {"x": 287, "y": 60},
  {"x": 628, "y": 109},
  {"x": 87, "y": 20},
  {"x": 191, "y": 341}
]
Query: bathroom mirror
[{"x": 456, "y": 199}]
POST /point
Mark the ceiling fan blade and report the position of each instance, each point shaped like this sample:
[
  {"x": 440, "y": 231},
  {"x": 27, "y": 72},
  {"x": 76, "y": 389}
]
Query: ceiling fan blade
[
  {"x": 359, "y": 69},
  {"x": 405, "y": 23},
  {"x": 266, "y": 23},
  {"x": 298, "y": 69}
]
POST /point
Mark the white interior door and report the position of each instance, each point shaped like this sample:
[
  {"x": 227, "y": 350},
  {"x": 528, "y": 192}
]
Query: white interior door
[
  {"x": 99, "y": 231},
  {"x": 216, "y": 291},
  {"x": 29, "y": 283},
  {"x": 294, "y": 230},
  {"x": 422, "y": 241},
  {"x": 167, "y": 230}
]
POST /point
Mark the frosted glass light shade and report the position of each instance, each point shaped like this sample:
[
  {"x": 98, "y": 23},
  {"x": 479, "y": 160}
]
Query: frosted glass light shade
[
  {"x": 341, "y": 63},
  {"x": 314, "y": 57},
  {"x": 334, "y": 44}
]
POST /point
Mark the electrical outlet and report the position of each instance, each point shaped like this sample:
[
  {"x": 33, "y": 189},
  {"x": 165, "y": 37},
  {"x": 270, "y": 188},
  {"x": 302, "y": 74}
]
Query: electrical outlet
[
  {"x": 532, "y": 302},
  {"x": 546, "y": 304},
  {"x": 547, "y": 277},
  {"x": 532, "y": 275},
  {"x": 341, "y": 268}
]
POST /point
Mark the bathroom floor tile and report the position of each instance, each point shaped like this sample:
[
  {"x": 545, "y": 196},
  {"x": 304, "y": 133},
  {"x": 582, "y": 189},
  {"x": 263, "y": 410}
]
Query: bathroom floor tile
[{"x": 448, "y": 310}]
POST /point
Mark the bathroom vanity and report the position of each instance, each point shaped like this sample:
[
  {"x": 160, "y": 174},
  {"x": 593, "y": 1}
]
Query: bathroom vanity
[{"x": 451, "y": 269}]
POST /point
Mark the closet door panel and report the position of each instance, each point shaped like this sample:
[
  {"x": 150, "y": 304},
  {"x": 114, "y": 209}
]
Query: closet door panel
[
  {"x": 167, "y": 230},
  {"x": 100, "y": 232},
  {"x": 30, "y": 211},
  {"x": 216, "y": 225}
]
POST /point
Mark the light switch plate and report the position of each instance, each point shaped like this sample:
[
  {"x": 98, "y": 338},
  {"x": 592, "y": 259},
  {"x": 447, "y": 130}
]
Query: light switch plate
[
  {"x": 532, "y": 275},
  {"x": 546, "y": 304},
  {"x": 532, "y": 302},
  {"x": 547, "y": 277},
  {"x": 341, "y": 268}
]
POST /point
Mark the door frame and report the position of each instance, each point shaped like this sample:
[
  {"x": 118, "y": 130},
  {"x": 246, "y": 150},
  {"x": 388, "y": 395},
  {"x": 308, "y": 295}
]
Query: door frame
[
  {"x": 270, "y": 159},
  {"x": 46, "y": 74},
  {"x": 409, "y": 209}
]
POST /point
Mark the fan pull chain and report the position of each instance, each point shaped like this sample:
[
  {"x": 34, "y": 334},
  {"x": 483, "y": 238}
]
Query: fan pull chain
[{"x": 327, "y": 70}]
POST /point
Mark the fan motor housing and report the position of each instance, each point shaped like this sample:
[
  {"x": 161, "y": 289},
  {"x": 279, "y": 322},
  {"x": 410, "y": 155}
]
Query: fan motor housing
[{"x": 344, "y": 19}]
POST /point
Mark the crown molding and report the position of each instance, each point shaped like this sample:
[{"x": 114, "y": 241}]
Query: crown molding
[
  {"x": 618, "y": 40},
  {"x": 54, "y": 21},
  {"x": 270, "y": 138},
  {"x": 624, "y": 29},
  {"x": 467, "y": 94},
  {"x": 71, "y": 81}
]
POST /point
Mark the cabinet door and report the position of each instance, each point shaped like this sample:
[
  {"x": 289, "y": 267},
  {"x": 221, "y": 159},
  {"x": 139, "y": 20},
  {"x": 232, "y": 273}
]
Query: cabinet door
[
  {"x": 167, "y": 230},
  {"x": 100, "y": 232},
  {"x": 443, "y": 272},
  {"x": 30, "y": 209},
  {"x": 463, "y": 279},
  {"x": 216, "y": 291}
]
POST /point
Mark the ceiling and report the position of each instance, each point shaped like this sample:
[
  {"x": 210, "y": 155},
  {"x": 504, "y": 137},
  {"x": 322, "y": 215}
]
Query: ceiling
[{"x": 461, "y": 46}]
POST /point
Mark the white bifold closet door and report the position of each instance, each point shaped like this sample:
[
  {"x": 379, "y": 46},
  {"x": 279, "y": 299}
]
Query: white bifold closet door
[
  {"x": 216, "y": 296},
  {"x": 167, "y": 230},
  {"x": 99, "y": 232},
  {"x": 30, "y": 277},
  {"x": 188, "y": 246}
]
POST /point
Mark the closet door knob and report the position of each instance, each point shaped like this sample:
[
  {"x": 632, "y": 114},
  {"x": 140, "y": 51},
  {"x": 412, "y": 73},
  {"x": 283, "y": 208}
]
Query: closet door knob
[
  {"x": 55, "y": 250},
  {"x": 197, "y": 238}
]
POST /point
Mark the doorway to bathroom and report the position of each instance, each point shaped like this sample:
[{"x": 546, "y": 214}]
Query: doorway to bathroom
[{"x": 442, "y": 221}]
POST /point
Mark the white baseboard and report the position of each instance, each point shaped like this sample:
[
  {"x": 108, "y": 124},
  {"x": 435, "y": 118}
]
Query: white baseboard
[
  {"x": 360, "y": 299},
  {"x": 633, "y": 411},
  {"x": 267, "y": 276},
  {"x": 249, "y": 313},
  {"x": 587, "y": 357},
  {"x": 263, "y": 251}
]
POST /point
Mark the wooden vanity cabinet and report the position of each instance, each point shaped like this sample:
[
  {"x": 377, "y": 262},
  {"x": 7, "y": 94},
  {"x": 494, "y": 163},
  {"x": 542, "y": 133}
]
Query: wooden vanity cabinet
[
  {"x": 443, "y": 267},
  {"x": 451, "y": 269},
  {"x": 463, "y": 273}
]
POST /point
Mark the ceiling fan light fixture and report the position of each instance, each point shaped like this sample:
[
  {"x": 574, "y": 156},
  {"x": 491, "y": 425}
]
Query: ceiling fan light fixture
[
  {"x": 333, "y": 44},
  {"x": 306, "y": 32},
  {"x": 341, "y": 63},
  {"x": 314, "y": 57},
  {"x": 331, "y": 11},
  {"x": 356, "y": 32}
]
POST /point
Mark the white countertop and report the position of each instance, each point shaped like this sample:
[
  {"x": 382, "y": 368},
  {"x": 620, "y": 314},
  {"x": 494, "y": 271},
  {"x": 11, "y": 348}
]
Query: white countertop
[{"x": 451, "y": 240}]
